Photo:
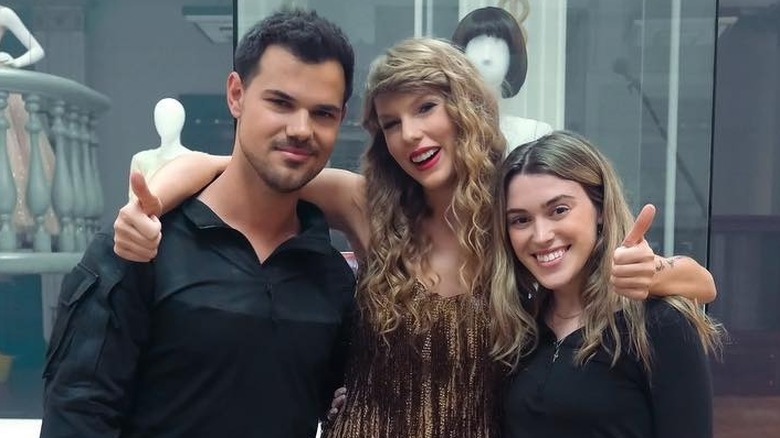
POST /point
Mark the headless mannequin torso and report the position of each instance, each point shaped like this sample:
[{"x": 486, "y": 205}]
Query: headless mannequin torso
[{"x": 168, "y": 120}]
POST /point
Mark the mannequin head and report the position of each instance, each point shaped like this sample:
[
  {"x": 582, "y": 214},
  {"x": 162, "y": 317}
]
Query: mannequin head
[
  {"x": 169, "y": 120},
  {"x": 491, "y": 57},
  {"x": 494, "y": 42}
]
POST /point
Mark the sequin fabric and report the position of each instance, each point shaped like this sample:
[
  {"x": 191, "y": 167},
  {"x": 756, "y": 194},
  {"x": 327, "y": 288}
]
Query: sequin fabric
[{"x": 437, "y": 383}]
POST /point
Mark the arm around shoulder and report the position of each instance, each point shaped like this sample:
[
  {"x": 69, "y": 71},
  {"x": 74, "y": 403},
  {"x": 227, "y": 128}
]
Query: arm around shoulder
[
  {"x": 683, "y": 276},
  {"x": 341, "y": 195},
  {"x": 184, "y": 176}
]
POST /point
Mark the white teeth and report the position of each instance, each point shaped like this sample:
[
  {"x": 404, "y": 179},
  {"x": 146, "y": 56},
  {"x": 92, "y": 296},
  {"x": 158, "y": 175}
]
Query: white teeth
[
  {"x": 544, "y": 258},
  {"x": 417, "y": 159}
]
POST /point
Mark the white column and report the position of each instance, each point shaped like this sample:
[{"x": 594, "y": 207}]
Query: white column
[
  {"x": 62, "y": 186},
  {"x": 670, "y": 198},
  {"x": 79, "y": 200},
  {"x": 89, "y": 175},
  {"x": 38, "y": 190},
  {"x": 93, "y": 153}
]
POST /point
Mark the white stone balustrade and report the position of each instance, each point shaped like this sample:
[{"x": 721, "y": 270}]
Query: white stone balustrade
[{"x": 73, "y": 192}]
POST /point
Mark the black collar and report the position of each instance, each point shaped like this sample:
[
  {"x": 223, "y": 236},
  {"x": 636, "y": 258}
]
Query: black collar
[{"x": 314, "y": 234}]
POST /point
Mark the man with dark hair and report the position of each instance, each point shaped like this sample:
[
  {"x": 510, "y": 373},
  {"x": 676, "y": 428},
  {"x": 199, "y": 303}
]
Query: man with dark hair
[{"x": 239, "y": 327}]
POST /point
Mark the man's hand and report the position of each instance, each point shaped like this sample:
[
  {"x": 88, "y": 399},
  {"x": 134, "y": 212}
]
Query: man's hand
[
  {"x": 633, "y": 263},
  {"x": 137, "y": 227}
]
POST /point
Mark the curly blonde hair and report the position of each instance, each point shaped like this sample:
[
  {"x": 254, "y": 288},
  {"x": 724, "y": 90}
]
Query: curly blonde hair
[
  {"x": 398, "y": 248},
  {"x": 571, "y": 157}
]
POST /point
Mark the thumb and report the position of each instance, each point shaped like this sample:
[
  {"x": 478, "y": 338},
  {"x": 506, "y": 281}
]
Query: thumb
[
  {"x": 150, "y": 204},
  {"x": 641, "y": 225}
]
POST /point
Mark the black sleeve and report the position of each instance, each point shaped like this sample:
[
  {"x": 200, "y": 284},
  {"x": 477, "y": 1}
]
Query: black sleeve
[
  {"x": 101, "y": 325},
  {"x": 681, "y": 387},
  {"x": 341, "y": 349}
]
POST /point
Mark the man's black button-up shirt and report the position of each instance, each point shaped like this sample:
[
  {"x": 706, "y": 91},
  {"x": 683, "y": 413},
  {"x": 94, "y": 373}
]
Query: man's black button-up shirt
[{"x": 205, "y": 341}]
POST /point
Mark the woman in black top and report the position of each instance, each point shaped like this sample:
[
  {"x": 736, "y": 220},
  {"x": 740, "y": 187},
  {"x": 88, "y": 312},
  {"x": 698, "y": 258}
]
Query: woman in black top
[{"x": 604, "y": 366}]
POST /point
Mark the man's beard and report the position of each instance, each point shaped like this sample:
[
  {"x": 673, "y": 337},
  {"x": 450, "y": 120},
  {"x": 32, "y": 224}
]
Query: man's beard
[{"x": 281, "y": 178}]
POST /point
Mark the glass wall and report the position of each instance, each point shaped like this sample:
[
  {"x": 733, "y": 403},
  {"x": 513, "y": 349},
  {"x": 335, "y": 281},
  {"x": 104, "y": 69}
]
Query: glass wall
[
  {"x": 746, "y": 217},
  {"x": 639, "y": 80}
]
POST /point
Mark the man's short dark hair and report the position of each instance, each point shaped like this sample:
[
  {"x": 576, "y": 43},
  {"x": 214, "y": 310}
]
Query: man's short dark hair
[{"x": 309, "y": 37}]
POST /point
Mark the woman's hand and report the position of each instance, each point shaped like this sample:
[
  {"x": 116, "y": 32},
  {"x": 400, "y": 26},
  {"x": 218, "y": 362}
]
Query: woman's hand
[
  {"x": 633, "y": 263},
  {"x": 339, "y": 398},
  {"x": 137, "y": 227}
]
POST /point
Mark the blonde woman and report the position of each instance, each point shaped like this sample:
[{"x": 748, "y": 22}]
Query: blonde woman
[
  {"x": 604, "y": 365},
  {"x": 423, "y": 361}
]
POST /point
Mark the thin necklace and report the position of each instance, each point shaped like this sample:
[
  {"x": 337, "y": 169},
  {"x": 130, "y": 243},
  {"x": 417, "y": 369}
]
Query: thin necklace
[{"x": 567, "y": 317}]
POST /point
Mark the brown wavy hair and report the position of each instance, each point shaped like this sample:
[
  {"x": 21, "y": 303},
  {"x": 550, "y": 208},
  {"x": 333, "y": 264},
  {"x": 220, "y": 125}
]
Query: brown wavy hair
[
  {"x": 571, "y": 157},
  {"x": 398, "y": 249}
]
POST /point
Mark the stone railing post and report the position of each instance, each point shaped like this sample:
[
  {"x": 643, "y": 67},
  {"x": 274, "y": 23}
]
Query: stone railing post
[
  {"x": 62, "y": 190},
  {"x": 79, "y": 200},
  {"x": 93, "y": 143},
  {"x": 88, "y": 173},
  {"x": 38, "y": 190},
  {"x": 57, "y": 184},
  {"x": 7, "y": 186}
]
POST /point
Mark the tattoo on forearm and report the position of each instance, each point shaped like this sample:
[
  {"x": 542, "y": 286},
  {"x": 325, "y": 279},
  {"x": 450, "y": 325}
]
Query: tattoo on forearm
[{"x": 663, "y": 263}]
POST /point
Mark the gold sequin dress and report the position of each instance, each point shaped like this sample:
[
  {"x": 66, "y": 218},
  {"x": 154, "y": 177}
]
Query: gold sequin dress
[{"x": 438, "y": 383}]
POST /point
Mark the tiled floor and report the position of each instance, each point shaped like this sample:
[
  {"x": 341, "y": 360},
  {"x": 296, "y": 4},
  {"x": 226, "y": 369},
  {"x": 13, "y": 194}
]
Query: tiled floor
[{"x": 747, "y": 417}]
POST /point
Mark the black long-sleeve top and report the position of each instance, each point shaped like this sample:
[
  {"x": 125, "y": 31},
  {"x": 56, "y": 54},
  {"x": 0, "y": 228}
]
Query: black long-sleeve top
[
  {"x": 553, "y": 397},
  {"x": 205, "y": 341}
]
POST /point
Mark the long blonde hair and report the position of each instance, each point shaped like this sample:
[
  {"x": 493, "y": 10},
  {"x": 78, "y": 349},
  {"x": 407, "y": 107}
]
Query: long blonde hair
[
  {"x": 571, "y": 157},
  {"x": 396, "y": 203}
]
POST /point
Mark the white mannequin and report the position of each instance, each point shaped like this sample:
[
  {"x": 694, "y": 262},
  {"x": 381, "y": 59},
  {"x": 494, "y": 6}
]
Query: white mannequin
[
  {"x": 168, "y": 120},
  {"x": 491, "y": 56},
  {"x": 17, "y": 140},
  {"x": 10, "y": 21}
]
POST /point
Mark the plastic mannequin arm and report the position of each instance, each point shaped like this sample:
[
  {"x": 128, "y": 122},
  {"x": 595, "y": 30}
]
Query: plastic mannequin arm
[{"x": 12, "y": 22}]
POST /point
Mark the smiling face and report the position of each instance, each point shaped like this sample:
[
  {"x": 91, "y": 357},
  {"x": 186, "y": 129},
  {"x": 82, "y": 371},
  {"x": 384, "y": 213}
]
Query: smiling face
[
  {"x": 551, "y": 224},
  {"x": 288, "y": 117},
  {"x": 420, "y": 136}
]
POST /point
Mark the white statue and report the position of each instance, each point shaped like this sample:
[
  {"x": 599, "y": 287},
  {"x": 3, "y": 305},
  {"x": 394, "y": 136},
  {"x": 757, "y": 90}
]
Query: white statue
[
  {"x": 494, "y": 42},
  {"x": 10, "y": 21},
  {"x": 168, "y": 120},
  {"x": 17, "y": 139}
]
